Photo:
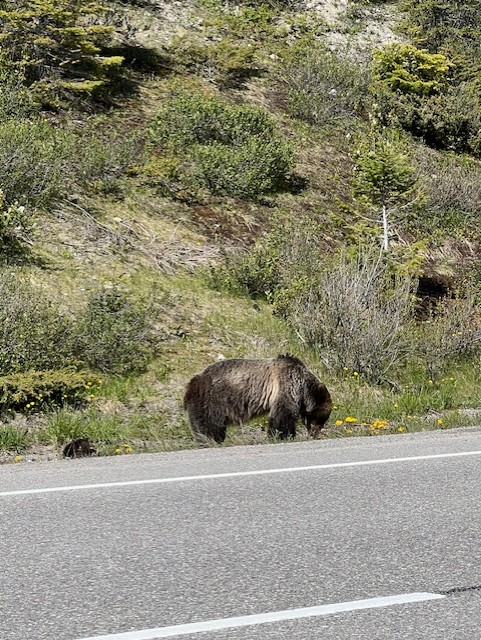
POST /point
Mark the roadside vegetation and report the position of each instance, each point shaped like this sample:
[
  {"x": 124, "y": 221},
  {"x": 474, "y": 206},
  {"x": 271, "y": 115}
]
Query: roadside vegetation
[{"x": 264, "y": 177}]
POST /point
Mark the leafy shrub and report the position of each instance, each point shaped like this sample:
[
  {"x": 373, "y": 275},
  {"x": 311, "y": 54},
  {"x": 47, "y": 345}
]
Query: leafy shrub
[
  {"x": 448, "y": 120},
  {"x": 36, "y": 390},
  {"x": 322, "y": 86},
  {"x": 33, "y": 334},
  {"x": 439, "y": 25},
  {"x": 15, "y": 222},
  {"x": 32, "y": 161},
  {"x": 114, "y": 333},
  {"x": 253, "y": 168},
  {"x": 16, "y": 101},
  {"x": 232, "y": 150}
]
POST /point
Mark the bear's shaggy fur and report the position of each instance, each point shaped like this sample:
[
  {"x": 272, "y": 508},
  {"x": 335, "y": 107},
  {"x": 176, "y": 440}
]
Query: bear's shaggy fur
[{"x": 234, "y": 391}]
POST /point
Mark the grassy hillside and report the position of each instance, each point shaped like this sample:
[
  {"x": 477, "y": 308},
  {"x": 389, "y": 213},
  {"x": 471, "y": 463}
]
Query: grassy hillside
[{"x": 186, "y": 181}]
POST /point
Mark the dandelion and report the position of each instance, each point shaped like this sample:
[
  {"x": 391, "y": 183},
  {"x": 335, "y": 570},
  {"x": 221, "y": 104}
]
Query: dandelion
[
  {"x": 349, "y": 431},
  {"x": 401, "y": 429},
  {"x": 18, "y": 459},
  {"x": 395, "y": 405},
  {"x": 338, "y": 423},
  {"x": 439, "y": 422},
  {"x": 345, "y": 369},
  {"x": 451, "y": 379},
  {"x": 335, "y": 407},
  {"x": 118, "y": 451},
  {"x": 351, "y": 419},
  {"x": 355, "y": 374},
  {"x": 430, "y": 382},
  {"x": 378, "y": 424}
]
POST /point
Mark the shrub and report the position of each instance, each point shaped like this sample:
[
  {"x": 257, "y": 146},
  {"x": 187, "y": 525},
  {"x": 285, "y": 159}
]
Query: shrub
[
  {"x": 449, "y": 120},
  {"x": 15, "y": 222},
  {"x": 405, "y": 69},
  {"x": 32, "y": 161},
  {"x": 453, "y": 191},
  {"x": 322, "y": 86},
  {"x": 436, "y": 24},
  {"x": 114, "y": 333},
  {"x": 232, "y": 150},
  {"x": 355, "y": 314},
  {"x": 245, "y": 171},
  {"x": 226, "y": 63},
  {"x": 453, "y": 330},
  {"x": 33, "y": 334},
  {"x": 37, "y": 390}
]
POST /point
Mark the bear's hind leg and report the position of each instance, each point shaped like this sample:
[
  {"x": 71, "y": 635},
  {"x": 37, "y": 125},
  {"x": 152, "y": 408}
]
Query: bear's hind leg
[{"x": 205, "y": 427}]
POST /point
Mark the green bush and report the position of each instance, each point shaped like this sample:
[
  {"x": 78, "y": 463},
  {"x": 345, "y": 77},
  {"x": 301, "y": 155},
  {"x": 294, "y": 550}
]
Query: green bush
[
  {"x": 448, "y": 120},
  {"x": 321, "y": 86},
  {"x": 33, "y": 156},
  {"x": 114, "y": 333},
  {"x": 405, "y": 69},
  {"x": 445, "y": 26},
  {"x": 39, "y": 390},
  {"x": 245, "y": 171},
  {"x": 33, "y": 334},
  {"x": 232, "y": 150}
]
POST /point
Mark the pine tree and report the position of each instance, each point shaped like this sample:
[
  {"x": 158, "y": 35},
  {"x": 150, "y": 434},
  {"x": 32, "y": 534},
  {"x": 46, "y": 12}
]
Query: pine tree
[
  {"x": 386, "y": 177},
  {"x": 56, "y": 45}
]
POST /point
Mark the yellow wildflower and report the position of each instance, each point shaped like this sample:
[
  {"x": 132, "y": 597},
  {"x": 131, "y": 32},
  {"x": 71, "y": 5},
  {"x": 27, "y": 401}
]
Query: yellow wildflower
[
  {"x": 351, "y": 419},
  {"x": 439, "y": 422},
  {"x": 338, "y": 423},
  {"x": 355, "y": 374},
  {"x": 117, "y": 451},
  {"x": 401, "y": 429},
  {"x": 18, "y": 459}
]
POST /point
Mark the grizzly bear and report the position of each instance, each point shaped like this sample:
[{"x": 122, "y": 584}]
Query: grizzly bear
[{"x": 234, "y": 391}]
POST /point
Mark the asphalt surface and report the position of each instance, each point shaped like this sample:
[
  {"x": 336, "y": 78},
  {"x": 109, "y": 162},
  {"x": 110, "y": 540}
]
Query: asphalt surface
[{"x": 108, "y": 560}]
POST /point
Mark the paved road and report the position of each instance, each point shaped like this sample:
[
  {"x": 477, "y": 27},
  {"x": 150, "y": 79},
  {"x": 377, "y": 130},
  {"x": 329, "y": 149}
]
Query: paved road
[{"x": 106, "y": 560}]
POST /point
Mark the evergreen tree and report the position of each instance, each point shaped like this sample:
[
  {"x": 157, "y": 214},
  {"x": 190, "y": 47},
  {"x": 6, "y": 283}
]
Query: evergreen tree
[
  {"x": 385, "y": 177},
  {"x": 56, "y": 45}
]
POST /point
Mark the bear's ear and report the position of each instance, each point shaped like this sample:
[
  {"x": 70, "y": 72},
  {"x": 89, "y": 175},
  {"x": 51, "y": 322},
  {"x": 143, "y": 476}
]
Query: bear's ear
[{"x": 315, "y": 394}]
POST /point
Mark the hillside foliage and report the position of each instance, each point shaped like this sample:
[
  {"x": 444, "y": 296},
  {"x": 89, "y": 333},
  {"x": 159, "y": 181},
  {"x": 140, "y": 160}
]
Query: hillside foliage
[{"x": 264, "y": 179}]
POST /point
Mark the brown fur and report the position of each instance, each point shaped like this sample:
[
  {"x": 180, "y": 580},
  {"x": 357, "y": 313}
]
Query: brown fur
[
  {"x": 78, "y": 448},
  {"x": 234, "y": 391}
]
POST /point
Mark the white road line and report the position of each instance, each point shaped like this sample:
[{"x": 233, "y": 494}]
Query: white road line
[
  {"x": 262, "y": 618},
  {"x": 236, "y": 474}
]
